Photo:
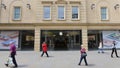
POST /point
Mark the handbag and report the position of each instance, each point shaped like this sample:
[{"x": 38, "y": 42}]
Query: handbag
[
  {"x": 9, "y": 62},
  {"x": 84, "y": 54}
]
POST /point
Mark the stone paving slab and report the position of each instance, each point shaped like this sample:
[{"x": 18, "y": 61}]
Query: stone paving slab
[{"x": 61, "y": 59}]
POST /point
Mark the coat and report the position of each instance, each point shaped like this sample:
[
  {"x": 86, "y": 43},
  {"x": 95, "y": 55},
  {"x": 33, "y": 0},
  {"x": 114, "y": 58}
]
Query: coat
[
  {"x": 83, "y": 50},
  {"x": 44, "y": 47},
  {"x": 100, "y": 45}
]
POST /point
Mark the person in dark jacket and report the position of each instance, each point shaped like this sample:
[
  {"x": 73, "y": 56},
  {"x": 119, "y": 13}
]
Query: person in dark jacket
[
  {"x": 83, "y": 55},
  {"x": 114, "y": 49},
  {"x": 44, "y": 49}
]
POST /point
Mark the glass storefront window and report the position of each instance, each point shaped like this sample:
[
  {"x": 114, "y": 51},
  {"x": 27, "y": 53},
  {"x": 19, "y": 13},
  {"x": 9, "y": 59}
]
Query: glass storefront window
[{"x": 62, "y": 39}]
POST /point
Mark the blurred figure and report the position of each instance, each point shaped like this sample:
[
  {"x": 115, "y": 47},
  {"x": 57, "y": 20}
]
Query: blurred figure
[
  {"x": 44, "y": 49},
  {"x": 114, "y": 49},
  {"x": 100, "y": 48},
  {"x": 13, "y": 53},
  {"x": 83, "y": 55}
]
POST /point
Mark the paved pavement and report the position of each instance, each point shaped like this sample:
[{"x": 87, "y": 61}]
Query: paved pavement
[{"x": 61, "y": 59}]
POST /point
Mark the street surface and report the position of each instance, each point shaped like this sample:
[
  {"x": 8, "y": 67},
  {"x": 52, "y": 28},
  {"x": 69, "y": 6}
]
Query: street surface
[{"x": 61, "y": 59}]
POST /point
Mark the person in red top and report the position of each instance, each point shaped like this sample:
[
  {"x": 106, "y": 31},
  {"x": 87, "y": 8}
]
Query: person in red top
[
  {"x": 83, "y": 55},
  {"x": 44, "y": 49}
]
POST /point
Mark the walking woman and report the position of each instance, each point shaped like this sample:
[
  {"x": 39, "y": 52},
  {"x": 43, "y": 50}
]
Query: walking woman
[
  {"x": 44, "y": 48},
  {"x": 83, "y": 55}
]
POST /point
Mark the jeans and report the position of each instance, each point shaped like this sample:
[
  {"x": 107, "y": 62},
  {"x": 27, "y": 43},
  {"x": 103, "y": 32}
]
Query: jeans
[
  {"x": 81, "y": 58},
  {"x": 13, "y": 59},
  {"x": 114, "y": 50},
  {"x": 100, "y": 50},
  {"x": 43, "y": 53}
]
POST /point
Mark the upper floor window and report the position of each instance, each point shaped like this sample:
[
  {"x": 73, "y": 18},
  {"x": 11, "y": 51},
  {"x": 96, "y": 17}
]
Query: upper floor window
[
  {"x": 75, "y": 13},
  {"x": 47, "y": 12},
  {"x": 104, "y": 13},
  {"x": 61, "y": 12},
  {"x": 17, "y": 13}
]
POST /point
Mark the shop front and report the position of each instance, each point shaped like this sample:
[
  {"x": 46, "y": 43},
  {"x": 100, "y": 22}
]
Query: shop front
[
  {"x": 94, "y": 37},
  {"x": 106, "y": 36},
  {"x": 8, "y": 37},
  {"x": 23, "y": 39},
  {"x": 62, "y": 39},
  {"x": 26, "y": 40}
]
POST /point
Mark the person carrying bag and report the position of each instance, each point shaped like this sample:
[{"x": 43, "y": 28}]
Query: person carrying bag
[
  {"x": 12, "y": 54},
  {"x": 9, "y": 62},
  {"x": 83, "y": 55}
]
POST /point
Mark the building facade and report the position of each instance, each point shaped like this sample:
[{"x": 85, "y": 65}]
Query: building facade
[{"x": 63, "y": 24}]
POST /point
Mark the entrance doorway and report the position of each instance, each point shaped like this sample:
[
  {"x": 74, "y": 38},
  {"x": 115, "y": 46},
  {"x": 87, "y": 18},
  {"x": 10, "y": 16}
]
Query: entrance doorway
[
  {"x": 62, "y": 39},
  {"x": 94, "y": 37},
  {"x": 60, "y": 42},
  {"x": 27, "y": 39}
]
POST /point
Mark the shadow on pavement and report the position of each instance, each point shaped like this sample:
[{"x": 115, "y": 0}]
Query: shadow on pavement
[
  {"x": 51, "y": 56},
  {"x": 91, "y": 65},
  {"x": 20, "y": 66}
]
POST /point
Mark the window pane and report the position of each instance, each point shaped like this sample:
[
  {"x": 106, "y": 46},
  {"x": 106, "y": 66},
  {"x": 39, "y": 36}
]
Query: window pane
[
  {"x": 103, "y": 13},
  {"x": 17, "y": 13},
  {"x": 61, "y": 12},
  {"x": 47, "y": 12},
  {"x": 75, "y": 12}
]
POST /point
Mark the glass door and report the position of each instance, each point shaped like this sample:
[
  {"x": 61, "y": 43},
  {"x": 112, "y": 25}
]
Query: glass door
[{"x": 62, "y": 39}]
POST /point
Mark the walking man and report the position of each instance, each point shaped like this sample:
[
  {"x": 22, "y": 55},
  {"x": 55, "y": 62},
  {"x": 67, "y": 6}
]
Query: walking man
[
  {"x": 114, "y": 49},
  {"x": 44, "y": 49}
]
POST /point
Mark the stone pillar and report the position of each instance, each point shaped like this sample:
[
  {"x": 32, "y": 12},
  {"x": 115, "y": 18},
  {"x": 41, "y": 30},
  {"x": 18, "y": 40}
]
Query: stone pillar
[
  {"x": 85, "y": 38},
  {"x": 37, "y": 39}
]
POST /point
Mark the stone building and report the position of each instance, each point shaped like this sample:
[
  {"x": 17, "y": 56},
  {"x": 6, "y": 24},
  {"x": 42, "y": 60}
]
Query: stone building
[{"x": 63, "y": 24}]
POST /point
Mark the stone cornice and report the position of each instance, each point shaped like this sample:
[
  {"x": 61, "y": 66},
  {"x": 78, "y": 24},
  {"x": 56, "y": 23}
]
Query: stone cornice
[
  {"x": 59, "y": 24},
  {"x": 61, "y": 2},
  {"x": 47, "y": 2},
  {"x": 75, "y": 2}
]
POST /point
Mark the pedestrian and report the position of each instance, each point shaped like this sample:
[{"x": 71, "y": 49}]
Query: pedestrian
[
  {"x": 44, "y": 49},
  {"x": 83, "y": 55},
  {"x": 100, "y": 48},
  {"x": 114, "y": 49},
  {"x": 13, "y": 53}
]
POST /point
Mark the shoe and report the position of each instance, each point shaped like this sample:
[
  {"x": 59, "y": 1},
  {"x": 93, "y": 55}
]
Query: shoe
[
  {"x": 6, "y": 65},
  {"x": 111, "y": 56},
  {"x": 117, "y": 56},
  {"x": 86, "y": 64},
  {"x": 15, "y": 66},
  {"x": 78, "y": 64}
]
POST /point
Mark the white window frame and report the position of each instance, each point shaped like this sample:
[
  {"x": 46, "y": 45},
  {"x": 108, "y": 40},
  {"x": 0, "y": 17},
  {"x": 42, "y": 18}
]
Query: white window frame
[
  {"x": 58, "y": 14},
  {"x": 78, "y": 13},
  {"x": 107, "y": 17},
  {"x": 43, "y": 13},
  {"x": 19, "y": 13}
]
